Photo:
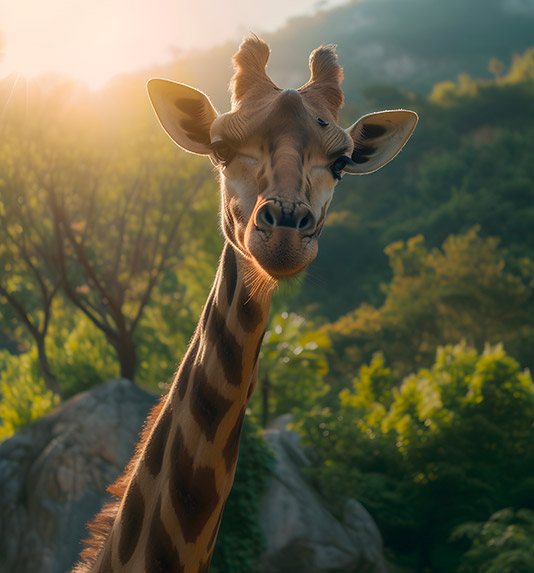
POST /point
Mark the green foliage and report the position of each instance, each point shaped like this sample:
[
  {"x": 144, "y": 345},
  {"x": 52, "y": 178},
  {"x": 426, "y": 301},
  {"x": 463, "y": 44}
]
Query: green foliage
[
  {"x": 447, "y": 445},
  {"x": 172, "y": 315},
  {"x": 464, "y": 291},
  {"x": 79, "y": 354},
  {"x": 292, "y": 367},
  {"x": 503, "y": 544},
  {"x": 449, "y": 94},
  {"x": 23, "y": 395},
  {"x": 236, "y": 550},
  {"x": 103, "y": 217},
  {"x": 468, "y": 163}
]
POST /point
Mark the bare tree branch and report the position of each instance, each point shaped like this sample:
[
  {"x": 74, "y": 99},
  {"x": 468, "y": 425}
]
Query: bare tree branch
[{"x": 26, "y": 318}]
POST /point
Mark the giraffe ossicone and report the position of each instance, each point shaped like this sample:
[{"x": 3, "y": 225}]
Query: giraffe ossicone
[{"x": 279, "y": 154}]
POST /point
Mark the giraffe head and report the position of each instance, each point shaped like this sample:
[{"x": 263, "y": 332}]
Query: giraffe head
[{"x": 279, "y": 153}]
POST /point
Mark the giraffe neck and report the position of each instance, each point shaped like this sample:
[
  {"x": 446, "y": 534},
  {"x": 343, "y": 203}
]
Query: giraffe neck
[{"x": 184, "y": 469}]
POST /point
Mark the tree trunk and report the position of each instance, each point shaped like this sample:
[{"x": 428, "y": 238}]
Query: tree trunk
[
  {"x": 49, "y": 377},
  {"x": 127, "y": 355}
]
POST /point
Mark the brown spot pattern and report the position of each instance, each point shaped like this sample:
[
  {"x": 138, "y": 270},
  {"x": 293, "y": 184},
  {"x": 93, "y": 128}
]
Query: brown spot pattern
[
  {"x": 229, "y": 351},
  {"x": 155, "y": 448},
  {"x": 230, "y": 273},
  {"x": 132, "y": 521},
  {"x": 248, "y": 311},
  {"x": 193, "y": 491},
  {"x": 161, "y": 554},
  {"x": 184, "y": 372},
  {"x": 231, "y": 449},
  {"x": 208, "y": 406}
]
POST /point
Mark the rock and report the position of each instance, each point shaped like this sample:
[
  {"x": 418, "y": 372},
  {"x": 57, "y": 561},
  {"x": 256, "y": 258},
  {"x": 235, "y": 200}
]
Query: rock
[
  {"x": 302, "y": 535},
  {"x": 54, "y": 473}
]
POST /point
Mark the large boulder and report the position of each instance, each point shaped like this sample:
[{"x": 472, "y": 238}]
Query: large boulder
[
  {"x": 54, "y": 474},
  {"x": 302, "y": 535}
]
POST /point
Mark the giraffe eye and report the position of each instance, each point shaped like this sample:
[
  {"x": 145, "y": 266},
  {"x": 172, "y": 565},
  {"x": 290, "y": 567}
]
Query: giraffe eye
[
  {"x": 222, "y": 152},
  {"x": 338, "y": 166}
]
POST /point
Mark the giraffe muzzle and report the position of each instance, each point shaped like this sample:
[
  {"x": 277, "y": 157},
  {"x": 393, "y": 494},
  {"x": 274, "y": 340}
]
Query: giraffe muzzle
[
  {"x": 282, "y": 237},
  {"x": 274, "y": 213}
]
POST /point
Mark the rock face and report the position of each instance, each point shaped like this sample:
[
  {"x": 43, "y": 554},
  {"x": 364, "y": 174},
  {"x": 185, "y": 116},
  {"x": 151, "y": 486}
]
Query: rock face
[
  {"x": 302, "y": 535},
  {"x": 53, "y": 475}
]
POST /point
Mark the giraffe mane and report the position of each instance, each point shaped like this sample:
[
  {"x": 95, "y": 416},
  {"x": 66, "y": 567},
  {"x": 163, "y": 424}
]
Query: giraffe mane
[{"x": 100, "y": 526}]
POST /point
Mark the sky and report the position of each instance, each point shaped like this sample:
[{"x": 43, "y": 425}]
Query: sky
[{"x": 93, "y": 41}]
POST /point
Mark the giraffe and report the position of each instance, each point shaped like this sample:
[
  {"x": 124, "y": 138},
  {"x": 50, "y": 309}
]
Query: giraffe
[{"x": 279, "y": 155}]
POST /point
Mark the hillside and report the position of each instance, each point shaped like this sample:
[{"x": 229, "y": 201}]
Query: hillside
[{"x": 410, "y": 43}]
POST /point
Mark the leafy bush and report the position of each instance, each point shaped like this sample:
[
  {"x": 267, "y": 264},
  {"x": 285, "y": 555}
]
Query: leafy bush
[
  {"x": 80, "y": 355},
  {"x": 446, "y": 445},
  {"x": 503, "y": 544},
  {"x": 23, "y": 395},
  {"x": 465, "y": 290},
  {"x": 291, "y": 369},
  {"x": 236, "y": 551}
]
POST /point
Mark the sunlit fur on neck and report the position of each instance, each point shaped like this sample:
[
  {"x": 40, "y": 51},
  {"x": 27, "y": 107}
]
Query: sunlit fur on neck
[{"x": 258, "y": 282}]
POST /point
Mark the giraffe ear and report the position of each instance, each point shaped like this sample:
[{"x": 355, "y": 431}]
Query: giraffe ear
[
  {"x": 186, "y": 114},
  {"x": 378, "y": 137}
]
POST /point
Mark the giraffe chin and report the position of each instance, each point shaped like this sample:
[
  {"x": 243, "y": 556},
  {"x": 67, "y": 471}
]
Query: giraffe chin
[{"x": 282, "y": 253}]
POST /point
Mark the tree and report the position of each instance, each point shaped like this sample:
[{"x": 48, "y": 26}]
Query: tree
[
  {"x": 116, "y": 239},
  {"x": 116, "y": 209},
  {"x": 448, "y": 445},
  {"x": 463, "y": 291},
  {"x": 503, "y": 544},
  {"x": 28, "y": 284}
]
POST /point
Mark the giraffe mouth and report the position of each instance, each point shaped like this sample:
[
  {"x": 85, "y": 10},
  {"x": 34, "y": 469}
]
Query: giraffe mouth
[{"x": 282, "y": 252}]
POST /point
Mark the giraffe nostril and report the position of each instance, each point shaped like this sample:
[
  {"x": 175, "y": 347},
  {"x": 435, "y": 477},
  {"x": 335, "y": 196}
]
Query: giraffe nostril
[
  {"x": 303, "y": 223},
  {"x": 269, "y": 218},
  {"x": 274, "y": 213},
  {"x": 305, "y": 220}
]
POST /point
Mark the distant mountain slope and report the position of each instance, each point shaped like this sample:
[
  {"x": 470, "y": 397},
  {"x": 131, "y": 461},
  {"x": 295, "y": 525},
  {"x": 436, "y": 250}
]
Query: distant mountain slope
[{"x": 409, "y": 43}]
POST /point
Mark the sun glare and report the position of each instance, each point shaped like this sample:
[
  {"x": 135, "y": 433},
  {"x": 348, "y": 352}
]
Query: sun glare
[
  {"x": 93, "y": 41},
  {"x": 90, "y": 41}
]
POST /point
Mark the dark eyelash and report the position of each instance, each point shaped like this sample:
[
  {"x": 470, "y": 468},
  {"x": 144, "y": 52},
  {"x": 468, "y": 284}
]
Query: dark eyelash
[
  {"x": 222, "y": 152},
  {"x": 337, "y": 167}
]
